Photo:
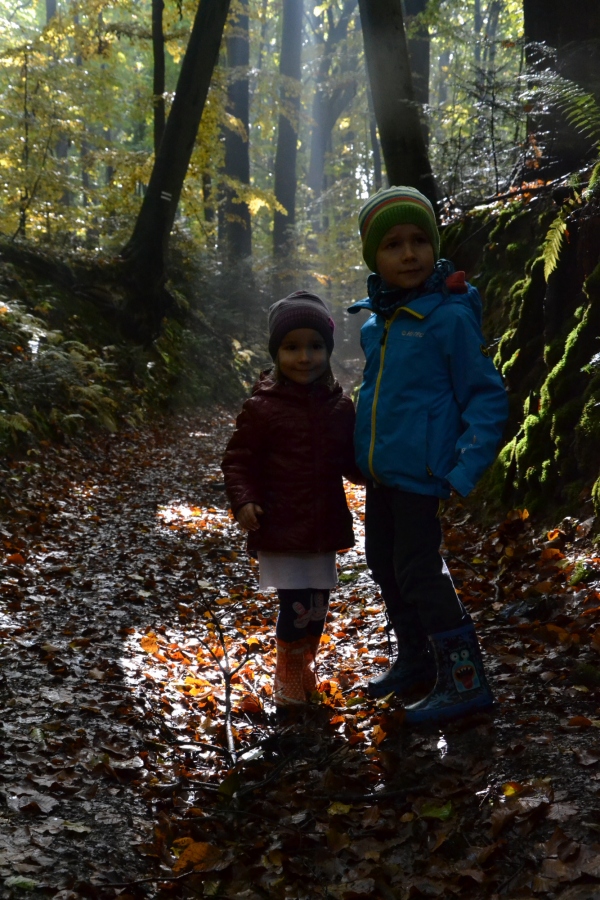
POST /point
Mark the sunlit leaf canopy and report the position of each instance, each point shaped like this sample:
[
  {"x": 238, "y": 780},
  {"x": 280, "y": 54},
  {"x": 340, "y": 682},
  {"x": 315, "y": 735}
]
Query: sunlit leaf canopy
[{"x": 76, "y": 109}]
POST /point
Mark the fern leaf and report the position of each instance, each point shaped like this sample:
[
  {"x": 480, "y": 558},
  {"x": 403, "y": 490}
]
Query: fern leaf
[{"x": 553, "y": 245}]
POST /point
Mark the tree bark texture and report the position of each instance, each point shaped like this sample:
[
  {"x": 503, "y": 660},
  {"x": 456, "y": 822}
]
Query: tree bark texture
[
  {"x": 287, "y": 137},
  {"x": 237, "y": 223},
  {"x": 396, "y": 110},
  {"x": 375, "y": 146},
  {"x": 147, "y": 247},
  {"x": 158, "y": 87},
  {"x": 573, "y": 30},
  {"x": 419, "y": 53}
]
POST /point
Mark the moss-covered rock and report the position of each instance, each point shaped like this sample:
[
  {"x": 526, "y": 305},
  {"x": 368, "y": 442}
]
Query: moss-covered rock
[{"x": 547, "y": 339}]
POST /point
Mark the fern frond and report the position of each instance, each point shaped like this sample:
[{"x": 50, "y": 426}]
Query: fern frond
[
  {"x": 553, "y": 245},
  {"x": 12, "y": 423},
  {"x": 580, "y": 108}
]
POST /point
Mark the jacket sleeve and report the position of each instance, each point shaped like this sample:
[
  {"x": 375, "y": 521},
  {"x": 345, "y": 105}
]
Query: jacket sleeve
[
  {"x": 350, "y": 469},
  {"x": 482, "y": 400},
  {"x": 241, "y": 463}
]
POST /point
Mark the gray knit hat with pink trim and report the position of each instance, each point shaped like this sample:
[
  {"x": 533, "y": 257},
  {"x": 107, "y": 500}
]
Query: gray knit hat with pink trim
[{"x": 300, "y": 310}]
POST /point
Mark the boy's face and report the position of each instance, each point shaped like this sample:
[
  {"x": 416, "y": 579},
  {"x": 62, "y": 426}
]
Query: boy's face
[
  {"x": 405, "y": 257},
  {"x": 302, "y": 356}
]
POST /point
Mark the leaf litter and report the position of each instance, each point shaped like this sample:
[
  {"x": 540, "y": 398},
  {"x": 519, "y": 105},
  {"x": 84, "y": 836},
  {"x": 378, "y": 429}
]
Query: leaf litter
[{"x": 140, "y": 753}]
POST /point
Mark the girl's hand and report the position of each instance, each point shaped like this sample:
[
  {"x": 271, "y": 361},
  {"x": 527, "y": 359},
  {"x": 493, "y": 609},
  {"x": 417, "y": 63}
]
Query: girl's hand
[{"x": 246, "y": 516}]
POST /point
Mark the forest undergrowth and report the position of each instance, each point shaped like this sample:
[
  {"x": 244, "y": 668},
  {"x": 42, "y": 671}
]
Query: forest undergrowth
[{"x": 141, "y": 756}]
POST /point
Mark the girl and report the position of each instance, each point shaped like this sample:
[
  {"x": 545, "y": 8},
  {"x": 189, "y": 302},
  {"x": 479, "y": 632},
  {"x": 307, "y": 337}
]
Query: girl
[{"x": 283, "y": 472}]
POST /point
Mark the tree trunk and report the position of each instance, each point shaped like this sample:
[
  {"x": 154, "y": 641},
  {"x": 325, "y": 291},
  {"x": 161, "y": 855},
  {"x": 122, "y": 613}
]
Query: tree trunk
[
  {"x": 375, "y": 147},
  {"x": 158, "y": 88},
  {"x": 396, "y": 110},
  {"x": 328, "y": 105},
  {"x": 573, "y": 30},
  {"x": 237, "y": 224},
  {"x": 146, "y": 250},
  {"x": 419, "y": 53},
  {"x": 287, "y": 137}
]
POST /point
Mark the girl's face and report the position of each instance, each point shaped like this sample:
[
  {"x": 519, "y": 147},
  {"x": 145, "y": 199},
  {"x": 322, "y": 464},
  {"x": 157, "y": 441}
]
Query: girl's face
[
  {"x": 302, "y": 356},
  {"x": 405, "y": 257}
]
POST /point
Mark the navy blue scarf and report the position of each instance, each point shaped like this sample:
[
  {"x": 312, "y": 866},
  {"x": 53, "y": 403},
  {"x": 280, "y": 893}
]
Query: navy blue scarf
[{"x": 385, "y": 301}]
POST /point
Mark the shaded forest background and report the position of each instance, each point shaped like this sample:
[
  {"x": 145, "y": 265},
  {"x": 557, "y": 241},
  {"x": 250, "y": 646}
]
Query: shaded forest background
[{"x": 492, "y": 109}]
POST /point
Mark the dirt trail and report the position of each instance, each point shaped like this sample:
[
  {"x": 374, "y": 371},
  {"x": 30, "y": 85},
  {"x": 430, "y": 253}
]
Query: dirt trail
[{"x": 129, "y": 750}]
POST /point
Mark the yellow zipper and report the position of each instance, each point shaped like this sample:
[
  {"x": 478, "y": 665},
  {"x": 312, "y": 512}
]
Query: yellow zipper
[{"x": 386, "y": 328}]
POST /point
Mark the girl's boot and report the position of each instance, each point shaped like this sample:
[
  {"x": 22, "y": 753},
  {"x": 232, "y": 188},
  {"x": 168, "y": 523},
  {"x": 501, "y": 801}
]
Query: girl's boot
[
  {"x": 414, "y": 667},
  {"x": 461, "y": 687},
  {"x": 288, "y": 689},
  {"x": 309, "y": 674}
]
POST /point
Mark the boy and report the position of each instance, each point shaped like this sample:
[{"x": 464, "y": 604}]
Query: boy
[{"x": 430, "y": 414}]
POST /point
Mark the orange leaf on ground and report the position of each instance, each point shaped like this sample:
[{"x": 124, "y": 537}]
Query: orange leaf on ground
[
  {"x": 198, "y": 855},
  {"x": 378, "y": 735},
  {"x": 149, "y": 643},
  {"x": 510, "y": 788},
  {"x": 552, "y": 553},
  {"x": 579, "y": 722},
  {"x": 250, "y": 704},
  {"x": 337, "y": 841},
  {"x": 15, "y": 559}
]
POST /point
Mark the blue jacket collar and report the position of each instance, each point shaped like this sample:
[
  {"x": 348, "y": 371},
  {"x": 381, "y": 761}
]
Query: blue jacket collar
[{"x": 419, "y": 306}]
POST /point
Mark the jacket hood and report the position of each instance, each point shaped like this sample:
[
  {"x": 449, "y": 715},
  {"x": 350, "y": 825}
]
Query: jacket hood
[{"x": 457, "y": 289}]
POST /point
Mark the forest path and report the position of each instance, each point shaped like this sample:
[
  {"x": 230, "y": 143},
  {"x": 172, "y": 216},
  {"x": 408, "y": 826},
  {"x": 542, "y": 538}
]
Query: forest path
[{"x": 123, "y": 588}]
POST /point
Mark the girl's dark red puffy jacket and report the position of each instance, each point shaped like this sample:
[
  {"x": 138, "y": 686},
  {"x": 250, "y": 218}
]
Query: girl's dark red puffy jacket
[{"x": 290, "y": 448}]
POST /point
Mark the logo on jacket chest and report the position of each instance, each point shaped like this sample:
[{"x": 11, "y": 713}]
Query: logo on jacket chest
[{"x": 411, "y": 333}]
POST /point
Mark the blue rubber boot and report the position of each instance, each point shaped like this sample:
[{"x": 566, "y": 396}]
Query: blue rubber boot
[
  {"x": 413, "y": 669},
  {"x": 461, "y": 687}
]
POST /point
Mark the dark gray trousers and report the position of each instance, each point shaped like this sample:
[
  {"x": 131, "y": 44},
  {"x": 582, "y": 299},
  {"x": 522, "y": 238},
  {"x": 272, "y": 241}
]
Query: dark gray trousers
[{"x": 402, "y": 543}]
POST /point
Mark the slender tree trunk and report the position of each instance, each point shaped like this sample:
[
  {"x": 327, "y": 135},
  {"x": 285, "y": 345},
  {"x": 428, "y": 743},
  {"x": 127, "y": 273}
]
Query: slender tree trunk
[
  {"x": 237, "y": 223},
  {"x": 61, "y": 150},
  {"x": 328, "y": 105},
  {"x": 146, "y": 250},
  {"x": 377, "y": 168},
  {"x": 287, "y": 137},
  {"x": 478, "y": 28},
  {"x": 209, "y": 209},
  {"x": 264, "y": 25},
  {"x": 419, "y": 53},
  {"x": 158, "y": 87},
  {"x": 396, "y": 111}
]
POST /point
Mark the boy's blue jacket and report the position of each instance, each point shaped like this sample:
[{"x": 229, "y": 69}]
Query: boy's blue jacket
[{"x": 432, "y": 406}]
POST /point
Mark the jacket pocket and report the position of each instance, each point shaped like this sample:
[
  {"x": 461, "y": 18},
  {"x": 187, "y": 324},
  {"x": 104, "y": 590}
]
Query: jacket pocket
[{"x": 401, "y": 450}]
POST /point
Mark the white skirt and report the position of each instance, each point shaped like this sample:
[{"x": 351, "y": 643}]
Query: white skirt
[{"x": 293, "y": 571}]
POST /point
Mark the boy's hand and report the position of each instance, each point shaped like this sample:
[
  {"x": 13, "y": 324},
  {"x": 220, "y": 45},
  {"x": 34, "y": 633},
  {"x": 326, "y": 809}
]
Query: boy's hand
[{"x": 247, "y": 516}]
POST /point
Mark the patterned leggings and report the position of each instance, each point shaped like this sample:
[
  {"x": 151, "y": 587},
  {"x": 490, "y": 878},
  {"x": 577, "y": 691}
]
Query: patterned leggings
[{"x": 301, "y": 612}]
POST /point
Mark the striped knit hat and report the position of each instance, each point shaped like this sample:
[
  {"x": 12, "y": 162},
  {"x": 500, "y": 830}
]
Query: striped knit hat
[
  {"x": 300, "y": 310},
  {"x": 395, "y": 206}
]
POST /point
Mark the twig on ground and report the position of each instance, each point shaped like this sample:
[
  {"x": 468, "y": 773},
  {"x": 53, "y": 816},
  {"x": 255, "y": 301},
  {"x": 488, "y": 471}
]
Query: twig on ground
[
  {"x": 463, "y": 562},
  {"x": 257, "y": 785},
  {"x": 226, "y": 673},
  {"x": 151, "y": 880},
  {"x": 364, "y": 798}
]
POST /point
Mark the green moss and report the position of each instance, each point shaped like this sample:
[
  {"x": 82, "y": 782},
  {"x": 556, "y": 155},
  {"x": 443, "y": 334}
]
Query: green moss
[
  {"x": 552, "y": 449},
  {"x": 596, "y": 496},
  {"x": 510, "y": 363}
]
